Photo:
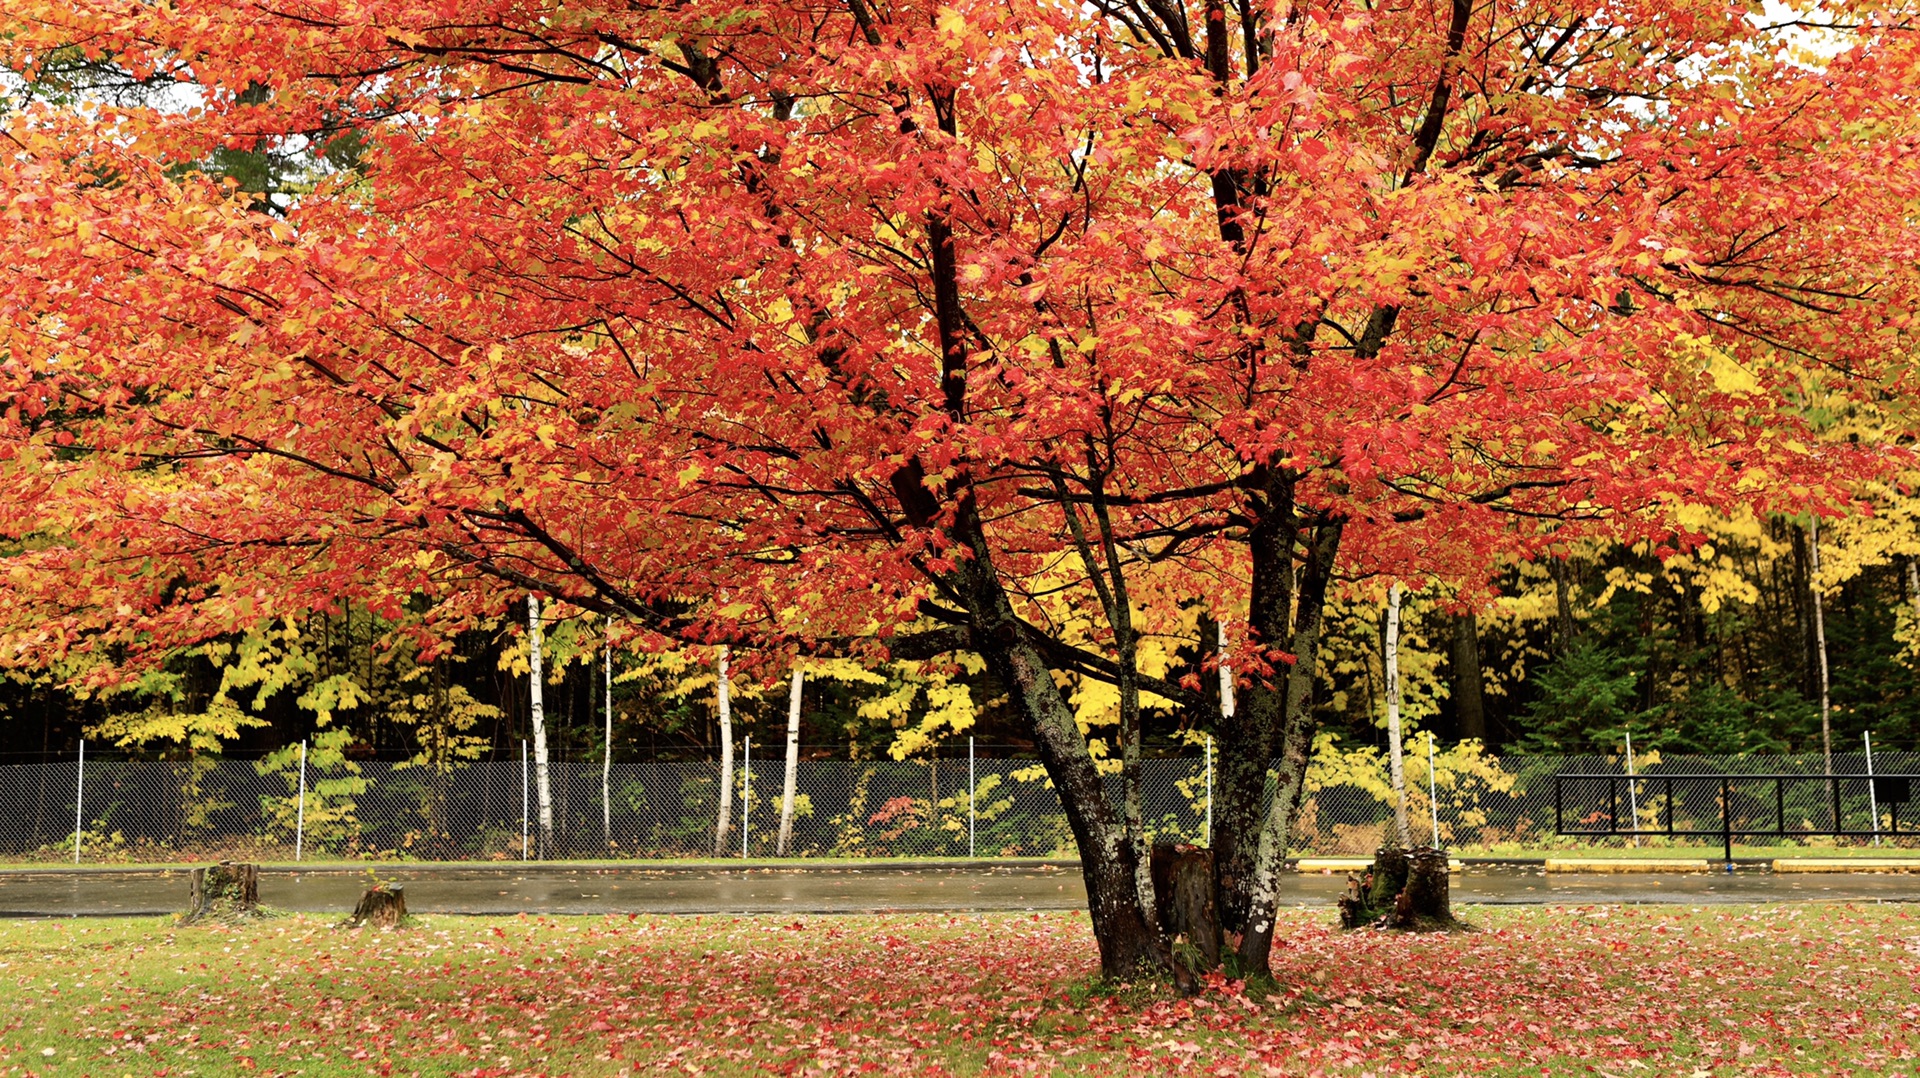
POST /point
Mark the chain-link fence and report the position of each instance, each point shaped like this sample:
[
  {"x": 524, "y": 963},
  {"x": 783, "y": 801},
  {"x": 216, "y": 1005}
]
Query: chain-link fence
[{"x": 147, "y": 811}]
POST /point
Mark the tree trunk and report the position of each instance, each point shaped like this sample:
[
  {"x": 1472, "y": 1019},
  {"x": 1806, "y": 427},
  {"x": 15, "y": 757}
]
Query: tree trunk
[
  {"x": 1469, "y": 696},
  {"x": 1820, "y": 644},
  {"x": 722, "y": 693},
  {"x": 1395, "y": 756},
  {"x": 227, "y": 889},
  {"x": 1122, "y": 929},
  {"x": 1296, "y": 744},
  {"x": 537, "y": 712},
  {"x": 606, "y": 759},
  {"x": 1249, "y": 732},
  {"x": 1226, "y": 672},
  {"x": 1820, "y": 653},
  {"x": 790, "y": 780},
  {"x": 381, "y": 906},
  {"x": 1562, "y": 607},
  {"x": 1913, "y": 586},
  {"x": 1183, "y": 889}
]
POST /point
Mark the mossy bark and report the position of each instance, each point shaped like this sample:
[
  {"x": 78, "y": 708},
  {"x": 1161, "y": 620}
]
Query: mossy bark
[
  {"x": 1183, "y": 887},
  {"x": 1408, "y": 890},
  {"x": 228, "y": 889}
]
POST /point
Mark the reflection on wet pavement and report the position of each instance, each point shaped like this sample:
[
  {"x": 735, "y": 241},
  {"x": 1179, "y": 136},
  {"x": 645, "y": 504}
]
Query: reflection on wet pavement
[{"x": 821, "y": 888}]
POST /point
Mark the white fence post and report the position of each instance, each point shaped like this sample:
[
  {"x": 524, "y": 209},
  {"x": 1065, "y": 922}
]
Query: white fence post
[
  {"x": 971, "y": 784},
  {"x": 524, "y": 837},
  {"x": 1433, "y": 793},
  {"x": 746, "y": 791},
  {"x": 300, "y": 812},
  {"x": 1873, "y": 795},
  {"x": 79, "y": 794}
]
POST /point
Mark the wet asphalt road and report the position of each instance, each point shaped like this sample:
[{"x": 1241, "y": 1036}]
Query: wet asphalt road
[{"x": 826, "y": 889}]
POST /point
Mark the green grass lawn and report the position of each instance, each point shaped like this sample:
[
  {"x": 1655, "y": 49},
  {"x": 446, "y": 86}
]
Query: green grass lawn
[{"x": 1802, "y": 989}]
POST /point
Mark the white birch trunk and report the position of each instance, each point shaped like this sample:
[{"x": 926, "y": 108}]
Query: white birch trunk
[
  {"x": 1394, "y": 750},
  {"x": 1820, "y": 646},
  {"x": 721, "y": 696},
  {"x": 1913, "y": 586},
  {"x": 793, "y": 762},
  {"x": 1226, "y": 674},
  {"x": 542, "y": 779},
  {"x": 606, "y": 759}
]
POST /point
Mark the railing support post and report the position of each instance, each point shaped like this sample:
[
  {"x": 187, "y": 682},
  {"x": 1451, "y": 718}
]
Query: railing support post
[
  {"x": 1726, "y": 819},
  {"x": 300, "y": 807},
  {"x": 1873, "y": 795},
  {"x": 972, "y": 784},
  {"x": 1433, "y": 793},
  {"x": 79, "y": 795}
]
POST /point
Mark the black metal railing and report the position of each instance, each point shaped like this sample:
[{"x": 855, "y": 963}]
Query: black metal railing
[{"x": 1730, "y": 806}]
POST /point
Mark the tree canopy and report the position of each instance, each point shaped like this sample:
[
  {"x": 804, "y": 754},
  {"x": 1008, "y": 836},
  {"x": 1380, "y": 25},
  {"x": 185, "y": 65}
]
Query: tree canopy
[{"x": 1025, "y": 328}]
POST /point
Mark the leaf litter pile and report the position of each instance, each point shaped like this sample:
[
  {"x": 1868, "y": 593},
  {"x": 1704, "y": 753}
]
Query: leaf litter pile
[{"x": 1539, "y": 991}]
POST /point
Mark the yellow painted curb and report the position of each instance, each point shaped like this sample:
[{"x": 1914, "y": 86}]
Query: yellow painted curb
[
  {"x": 1346, "y": 864},
  {"x": 1839, "y": 864},
  {"x": 1623, "y": 864}
]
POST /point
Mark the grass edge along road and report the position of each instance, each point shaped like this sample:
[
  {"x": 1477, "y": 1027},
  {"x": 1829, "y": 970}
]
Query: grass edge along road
[{"x": 1801, "y": 989}]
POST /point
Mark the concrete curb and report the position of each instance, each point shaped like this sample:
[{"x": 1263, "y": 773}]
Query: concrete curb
[
  {"x": 1850, "y": 864},
  {"x": 1620, "y": 865}
]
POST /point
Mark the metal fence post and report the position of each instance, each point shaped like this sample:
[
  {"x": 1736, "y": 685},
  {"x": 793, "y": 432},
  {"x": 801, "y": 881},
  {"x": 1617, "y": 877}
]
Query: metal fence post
[
  {"x": 524, "y": 837},
  {"x": 971, "y": 784},
  {"x": 1873, "y": 795},
  {"x": 746, "y": 791},
  {"x": 1433, "y": 793},
  {"x": 300, "y": 811},
  {"x": 1726, "y": 819},
  {"x": 1210, "y": 785},
  {"x": 79, "y": 792},
  {"x": 1633, "y": 791}
]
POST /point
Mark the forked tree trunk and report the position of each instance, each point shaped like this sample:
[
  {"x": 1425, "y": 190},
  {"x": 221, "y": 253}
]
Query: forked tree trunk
[
  {"x": 1249, "y": 733},
  {"x": 381, "y": 906},
  {"x": 1295, "y": 749},
  {"x": 226, "y": 889},
  {"x": 1121, "y": 927}
]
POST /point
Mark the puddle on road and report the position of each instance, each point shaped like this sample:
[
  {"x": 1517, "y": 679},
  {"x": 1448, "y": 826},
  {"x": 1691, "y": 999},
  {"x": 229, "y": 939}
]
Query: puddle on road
[{"x": 825, "y": 889}]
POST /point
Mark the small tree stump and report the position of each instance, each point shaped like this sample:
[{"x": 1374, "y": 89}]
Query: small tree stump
[
  {"x": 1407, "y": 890},
  {"x": 1429, "y": 893},
  {"x": 1183, "y": 897},
  {"x": 227, "y": 889},
  {"x": 1391, "y": 866},
  {"x": 380, "y": 905}
]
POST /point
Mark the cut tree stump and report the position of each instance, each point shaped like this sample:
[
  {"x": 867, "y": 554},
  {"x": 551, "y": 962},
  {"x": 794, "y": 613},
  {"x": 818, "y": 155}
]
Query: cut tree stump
[
  {"x": 1407, "y": 890},
  {"x": 228, "y": 889},
  {"x": 1183, "y": 891},
  {"x": 383, "y": 906}
]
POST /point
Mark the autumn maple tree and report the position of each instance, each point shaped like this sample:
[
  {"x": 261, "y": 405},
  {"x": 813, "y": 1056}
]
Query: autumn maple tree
[{"x": 1028, "y": 329}]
